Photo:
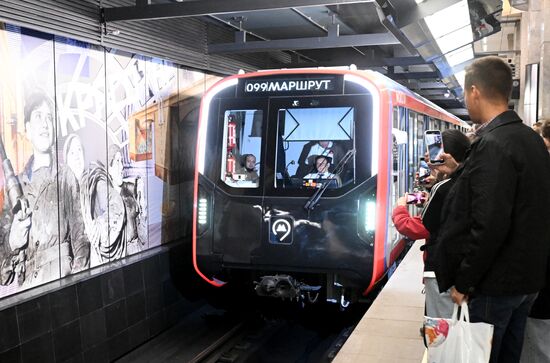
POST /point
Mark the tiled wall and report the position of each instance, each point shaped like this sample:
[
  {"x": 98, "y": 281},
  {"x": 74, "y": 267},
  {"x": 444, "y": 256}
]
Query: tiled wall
[{"x": 102, "y": 317}]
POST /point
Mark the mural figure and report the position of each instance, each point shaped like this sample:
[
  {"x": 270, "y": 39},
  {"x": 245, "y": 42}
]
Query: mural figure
[
  {"x": 37, "y": 243},
  {"x": 117, "y": 226}
]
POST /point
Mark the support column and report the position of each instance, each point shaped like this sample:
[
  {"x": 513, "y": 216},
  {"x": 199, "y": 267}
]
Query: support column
[
  {"x": 532, "y": 26},
  {"x": 544, "y": 71}
]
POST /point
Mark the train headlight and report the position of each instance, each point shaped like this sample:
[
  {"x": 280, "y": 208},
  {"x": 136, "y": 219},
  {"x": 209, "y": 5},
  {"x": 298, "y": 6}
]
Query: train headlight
[
  {"x": 370, "y": 216},
  {"x": 203, "y": 212}
]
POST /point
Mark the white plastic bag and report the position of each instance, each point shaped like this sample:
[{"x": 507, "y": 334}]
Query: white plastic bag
[{"x": 457, "y": 340}]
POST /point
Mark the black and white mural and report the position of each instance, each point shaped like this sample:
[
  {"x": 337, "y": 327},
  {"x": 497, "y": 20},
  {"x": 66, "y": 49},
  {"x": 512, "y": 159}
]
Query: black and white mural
[{"x": 97, "y": 155}]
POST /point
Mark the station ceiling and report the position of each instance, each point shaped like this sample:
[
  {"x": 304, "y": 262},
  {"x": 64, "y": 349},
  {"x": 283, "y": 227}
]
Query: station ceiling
[{"x": 389, "y": 36}]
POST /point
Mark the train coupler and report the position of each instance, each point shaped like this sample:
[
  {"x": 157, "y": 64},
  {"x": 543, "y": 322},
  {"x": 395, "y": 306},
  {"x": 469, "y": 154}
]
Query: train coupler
[{"x": 284, "y": 287}]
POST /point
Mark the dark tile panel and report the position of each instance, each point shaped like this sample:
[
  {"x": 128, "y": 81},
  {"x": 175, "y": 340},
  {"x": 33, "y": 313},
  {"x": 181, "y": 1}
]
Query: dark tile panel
[
  {"x": 64, "y": 306},
  {"x": 97, "y": 354},
  {"x": 11, "y": 356},
  {"x": 9, "y": 330},
  {"x": 112, "y": 287},
  {"x": 164, "y": 266},
  {"x": 115, "y": 318},
  {"x": 119, "y": 345},
  {"x": 89, "y": 295},
  {"x": 67, "y": 342},
  {"x": 157, "y": 323},
  {"x": 138, "y": 334},
  {"x": 170, "y": 293},
  {"x": 133, "y": 278},
  {"x": 135, "y": 308},
  {"x": 154, "y": 300},
  {"x": 78, "y": 358},
  {"x": 38, "y": 350},
  {"x": 34, "y": 318},
  {"x": 92, "y": 329},
  {"x": 151, "y": 272}
]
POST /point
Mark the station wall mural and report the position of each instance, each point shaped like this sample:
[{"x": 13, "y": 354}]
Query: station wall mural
[{"x": 97, "y": 155}]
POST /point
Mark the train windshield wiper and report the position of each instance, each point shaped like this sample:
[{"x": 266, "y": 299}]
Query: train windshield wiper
[{"x": 312, "y": 202}]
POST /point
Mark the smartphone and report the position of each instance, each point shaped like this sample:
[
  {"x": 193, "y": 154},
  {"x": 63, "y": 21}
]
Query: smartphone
[
  {"x": 423, "y": 170},
  {"x": 434, "y": 144},
  {"x": 415, "y": 198}
]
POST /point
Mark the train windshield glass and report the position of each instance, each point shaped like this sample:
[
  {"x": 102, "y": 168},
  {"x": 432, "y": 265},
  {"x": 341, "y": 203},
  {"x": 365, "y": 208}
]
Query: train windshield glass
[
  {"x": 311, "y": 144},
  {"x": 242, "y": 145}
]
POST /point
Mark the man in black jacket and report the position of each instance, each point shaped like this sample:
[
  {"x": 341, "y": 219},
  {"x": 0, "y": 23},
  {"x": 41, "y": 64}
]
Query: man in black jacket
[{"x": 495, "y": 236}]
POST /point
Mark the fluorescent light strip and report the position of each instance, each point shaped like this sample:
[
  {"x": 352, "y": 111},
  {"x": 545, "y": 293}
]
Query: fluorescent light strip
[
  {"x": 449, "y": 19},
  {"x": 207, "y": 99},
  {"x": 460, "y": 55},
  {"x": 375, "y": 116},
  {"x": 455, "y": 39}
]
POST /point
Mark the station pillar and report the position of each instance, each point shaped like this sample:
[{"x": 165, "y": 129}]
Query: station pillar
[{"x": 535, "y": 50}]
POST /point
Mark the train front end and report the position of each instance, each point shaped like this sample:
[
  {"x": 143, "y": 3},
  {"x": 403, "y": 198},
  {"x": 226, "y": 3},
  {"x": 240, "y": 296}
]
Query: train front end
[{"x": 287, "y": 185}]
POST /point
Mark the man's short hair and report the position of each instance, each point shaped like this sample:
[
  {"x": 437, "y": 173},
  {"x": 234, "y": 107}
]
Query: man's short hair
[
  {"x": 492, "y": 75},
  {"x": 327, "y": 158},
  {"x": 545, "y": 129}
]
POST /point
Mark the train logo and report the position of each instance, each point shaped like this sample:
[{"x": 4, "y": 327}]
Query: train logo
[{"x": 281, "y": 230}]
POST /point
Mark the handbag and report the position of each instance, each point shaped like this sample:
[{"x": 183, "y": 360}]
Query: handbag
[{"x": 456, "y": 340}]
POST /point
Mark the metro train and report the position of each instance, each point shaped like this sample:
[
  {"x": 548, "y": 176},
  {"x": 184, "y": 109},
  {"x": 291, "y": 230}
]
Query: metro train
[{"x": 296, "y": 174}]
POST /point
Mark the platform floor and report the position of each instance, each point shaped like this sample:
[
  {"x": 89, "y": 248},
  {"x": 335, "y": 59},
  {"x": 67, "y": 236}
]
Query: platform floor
[{"x": 390, "y": 330}]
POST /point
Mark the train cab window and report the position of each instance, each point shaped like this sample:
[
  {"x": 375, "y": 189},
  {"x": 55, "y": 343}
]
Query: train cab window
[
  {"x": 314, "y": 147},
  {"x": 242, "y": 145}
]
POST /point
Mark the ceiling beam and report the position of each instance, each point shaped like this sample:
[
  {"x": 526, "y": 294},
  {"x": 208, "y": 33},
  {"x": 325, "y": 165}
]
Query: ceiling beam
[
  {"x": 458, "y": 111},
  {"x": 305, "y": 43},
  {"x": 362, "y": 62},
  {"x": 207, "y": 7},
  {"x": 413, "y": 75},
  {"x": 427, "y": 85}
]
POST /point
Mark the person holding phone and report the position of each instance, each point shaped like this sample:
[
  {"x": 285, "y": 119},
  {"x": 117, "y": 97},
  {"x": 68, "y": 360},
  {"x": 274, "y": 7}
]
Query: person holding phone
[
  {"x": 426, "y": 226},
  {"x": 495, "y": 236}
]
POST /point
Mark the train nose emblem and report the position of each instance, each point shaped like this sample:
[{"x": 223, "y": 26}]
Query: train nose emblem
[{"x": 280, "y": 230}]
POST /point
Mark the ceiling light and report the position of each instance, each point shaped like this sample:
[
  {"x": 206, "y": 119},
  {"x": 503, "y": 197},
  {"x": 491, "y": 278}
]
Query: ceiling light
[
  {"x": 449, "y": 19},
  {"x": 460, "y": 78},
  {"x": 456, "y": 39},
  {"x": 419, "y": 1},
  {"x": 460, "y": 55}
]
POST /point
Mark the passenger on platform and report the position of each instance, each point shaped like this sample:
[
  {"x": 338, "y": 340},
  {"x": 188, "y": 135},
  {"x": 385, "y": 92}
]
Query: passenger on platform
[
  {"x": 495, "y": 237},
  {"x": 250, "y": 168},
  {"x": 545, "y": 133},
  {"x": 537, "y": 330},
  {"x": 537, "y": 126},
  {"x": 426, "y": 226}
]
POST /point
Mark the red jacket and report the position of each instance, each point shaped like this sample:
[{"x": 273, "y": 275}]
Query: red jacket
[{"x": 410, "y": 227}]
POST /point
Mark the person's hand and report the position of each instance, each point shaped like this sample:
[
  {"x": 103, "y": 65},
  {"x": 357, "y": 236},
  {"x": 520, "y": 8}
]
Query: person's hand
[
  {"x": 19, "y": 229},
  {"x": 402, "y": 201},
  {"x": 458, "y": 297},
  {"x": 448, "y": 166}
]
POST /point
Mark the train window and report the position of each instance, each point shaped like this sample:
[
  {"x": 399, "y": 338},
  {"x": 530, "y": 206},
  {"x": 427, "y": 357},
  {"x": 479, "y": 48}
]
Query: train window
[
  {"x": 420, "y": 145},
  {"x": 313, "y": 145},
  {"x": 242, "y": 145}
]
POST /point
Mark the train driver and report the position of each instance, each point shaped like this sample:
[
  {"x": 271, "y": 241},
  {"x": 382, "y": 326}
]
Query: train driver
[{"x": 322, "y": 164}]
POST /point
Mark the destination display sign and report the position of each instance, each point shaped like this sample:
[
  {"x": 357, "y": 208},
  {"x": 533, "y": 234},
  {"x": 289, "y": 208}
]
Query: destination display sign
[{"x": 294, "y": 85}]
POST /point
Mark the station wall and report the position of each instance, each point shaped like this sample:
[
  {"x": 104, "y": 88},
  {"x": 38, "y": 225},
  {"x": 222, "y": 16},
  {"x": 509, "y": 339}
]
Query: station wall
[{"x": 101, "y": 143}]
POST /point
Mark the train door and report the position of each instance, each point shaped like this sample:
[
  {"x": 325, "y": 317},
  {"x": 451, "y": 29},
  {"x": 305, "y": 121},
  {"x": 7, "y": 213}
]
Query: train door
[
  {"x": 412, "y": 161},
  {"x": 399, "y": 166}
]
